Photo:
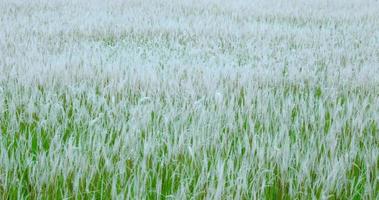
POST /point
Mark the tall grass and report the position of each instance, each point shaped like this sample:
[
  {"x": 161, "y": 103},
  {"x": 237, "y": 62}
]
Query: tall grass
[{"x": 189, "y": 99}]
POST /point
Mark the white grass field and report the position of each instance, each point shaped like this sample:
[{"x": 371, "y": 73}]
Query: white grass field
[{"x": 131, "y": 99}]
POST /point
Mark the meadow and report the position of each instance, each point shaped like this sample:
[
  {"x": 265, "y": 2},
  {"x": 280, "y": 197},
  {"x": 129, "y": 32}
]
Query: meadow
[{"x": 198, "y": 99}]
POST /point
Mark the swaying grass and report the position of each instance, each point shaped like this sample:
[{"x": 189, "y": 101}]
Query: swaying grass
[{"x": 189, "y": 99}]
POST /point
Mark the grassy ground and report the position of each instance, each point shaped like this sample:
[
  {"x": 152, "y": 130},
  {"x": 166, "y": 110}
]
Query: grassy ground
[{"x": 189, "y": 100}]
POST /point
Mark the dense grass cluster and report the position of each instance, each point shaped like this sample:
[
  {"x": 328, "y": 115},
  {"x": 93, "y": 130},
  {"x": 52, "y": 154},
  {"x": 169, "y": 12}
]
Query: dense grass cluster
[{"x": 189, "y": 99}]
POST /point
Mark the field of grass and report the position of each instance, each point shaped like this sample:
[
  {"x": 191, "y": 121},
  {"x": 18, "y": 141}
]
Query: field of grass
[{"x": 131, "y": 99}]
